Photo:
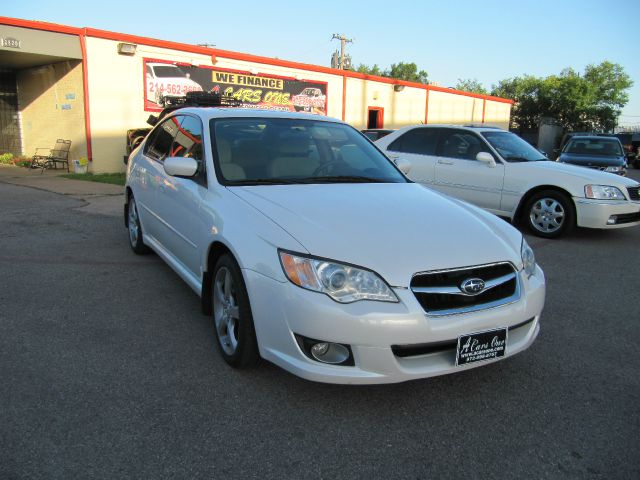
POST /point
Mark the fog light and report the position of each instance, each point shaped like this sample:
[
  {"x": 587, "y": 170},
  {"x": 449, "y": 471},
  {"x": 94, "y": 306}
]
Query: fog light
[
  {"x": 330, "y": 352},
  {"x": 326, "y": 352},
  {"x": 319, "y": 349},
  {"x": 612, "y": 220}
]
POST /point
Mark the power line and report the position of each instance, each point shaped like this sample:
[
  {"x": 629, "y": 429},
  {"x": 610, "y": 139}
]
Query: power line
[{"x": 343, "y": 43}]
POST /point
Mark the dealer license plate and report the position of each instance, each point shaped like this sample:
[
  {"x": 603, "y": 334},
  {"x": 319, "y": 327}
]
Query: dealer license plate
[{"x": 476, "y": 347}]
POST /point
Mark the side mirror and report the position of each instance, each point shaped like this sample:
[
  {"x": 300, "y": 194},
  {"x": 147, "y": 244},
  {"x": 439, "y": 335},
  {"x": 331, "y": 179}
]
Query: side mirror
[
  {"x": 486, "y": 157},
  {"x": 403, "y": 165},
  {"x": 180, "y": 166},
  {"x": 543, "y": 152}
]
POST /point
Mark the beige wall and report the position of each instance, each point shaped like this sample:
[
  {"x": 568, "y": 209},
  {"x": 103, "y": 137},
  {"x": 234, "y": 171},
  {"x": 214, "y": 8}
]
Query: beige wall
[
  {"x": 51, "y": 103},
  {"x": 498, "y": 114},
  {"x": 400, "y": 108},
  {"x": 116, "y": 92}
]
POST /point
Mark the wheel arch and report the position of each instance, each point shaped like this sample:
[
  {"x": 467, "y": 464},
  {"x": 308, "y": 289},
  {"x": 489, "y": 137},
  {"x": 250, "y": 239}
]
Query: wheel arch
[
  {"x": 215, "y": 251},
  {"x": 127, "y": 196},
  {"x": 540, "y": 188}
]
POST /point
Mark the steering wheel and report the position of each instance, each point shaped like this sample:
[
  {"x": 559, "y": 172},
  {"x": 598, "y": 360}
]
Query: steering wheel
[{"x": 325, "y": 167}]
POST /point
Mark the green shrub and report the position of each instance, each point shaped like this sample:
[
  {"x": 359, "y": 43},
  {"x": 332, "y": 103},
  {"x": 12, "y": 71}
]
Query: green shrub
[{"x": 6, "y": 158}]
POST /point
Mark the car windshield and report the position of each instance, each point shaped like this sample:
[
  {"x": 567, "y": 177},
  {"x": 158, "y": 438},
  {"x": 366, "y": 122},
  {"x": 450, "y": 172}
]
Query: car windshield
[
  {"x": 271, "y": 151},
  {"x": 594, "y": 146},
  {"x": 168, "y": 72},
  {"x": 513, "y": 148}
]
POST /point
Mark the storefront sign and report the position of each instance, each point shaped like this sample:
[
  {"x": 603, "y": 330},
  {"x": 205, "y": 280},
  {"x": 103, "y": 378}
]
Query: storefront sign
[{"x": 252, "y": 90}]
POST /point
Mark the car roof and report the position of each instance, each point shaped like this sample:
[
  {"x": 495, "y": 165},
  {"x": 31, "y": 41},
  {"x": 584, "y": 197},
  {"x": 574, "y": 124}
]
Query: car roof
[
  {"x": 471, "y": 128},
  {"x": 235, "y": 112}
]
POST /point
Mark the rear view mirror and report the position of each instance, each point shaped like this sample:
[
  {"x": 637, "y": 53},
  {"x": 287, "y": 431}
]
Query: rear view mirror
[
  {"x": 487, "y": 158},
  {"x": 180, "y": 166}
]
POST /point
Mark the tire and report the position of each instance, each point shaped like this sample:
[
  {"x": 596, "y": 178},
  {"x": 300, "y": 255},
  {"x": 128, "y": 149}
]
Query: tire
[
  {"x": 134, "y": 228},
  {"x": 549, "y": 214},
  {"x": 232, "y": 319}
]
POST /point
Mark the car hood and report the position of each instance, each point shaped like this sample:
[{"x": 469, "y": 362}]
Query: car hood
[
  {"x": 393, "y": 229},
  {"x": 587, "y": 175},
  {"x": 593, "y": 160}
]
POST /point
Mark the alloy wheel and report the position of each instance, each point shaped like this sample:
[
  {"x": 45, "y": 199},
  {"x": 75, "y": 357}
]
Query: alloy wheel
[
  {"x": 225, "y": 311},
  {"x": 547, "y": 215}
]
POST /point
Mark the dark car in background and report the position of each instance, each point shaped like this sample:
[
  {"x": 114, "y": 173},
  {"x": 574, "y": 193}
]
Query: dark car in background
[
  {"x": 631, "y": 144},
  {"x": 374, "y": 134},
  {"x": 595, "y": 151}
]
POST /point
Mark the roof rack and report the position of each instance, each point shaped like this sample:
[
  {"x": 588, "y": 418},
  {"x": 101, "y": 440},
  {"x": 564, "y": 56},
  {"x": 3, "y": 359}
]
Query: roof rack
[
  {"x": 200, "y": 99},
  {"x": 193, "y": 99}
]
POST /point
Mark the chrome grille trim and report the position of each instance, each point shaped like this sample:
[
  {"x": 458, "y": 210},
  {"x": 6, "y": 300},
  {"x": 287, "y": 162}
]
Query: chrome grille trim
[{"x": 455, "y": 291}]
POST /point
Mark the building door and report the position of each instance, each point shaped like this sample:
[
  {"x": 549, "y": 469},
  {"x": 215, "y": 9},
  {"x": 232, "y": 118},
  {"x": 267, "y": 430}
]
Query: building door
[
  {"x": 10, "y": 141},
  {"x": 375, "y": 117}
]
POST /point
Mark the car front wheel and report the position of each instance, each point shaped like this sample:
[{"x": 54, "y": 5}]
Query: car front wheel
[
  {"x": 135, "y": 230},
  {"x": 232, "y": 315},
  {"x": 549, "y": 214}
]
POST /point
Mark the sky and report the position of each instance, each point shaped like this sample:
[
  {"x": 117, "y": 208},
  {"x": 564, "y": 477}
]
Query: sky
[{"x": 488, "y": 41}]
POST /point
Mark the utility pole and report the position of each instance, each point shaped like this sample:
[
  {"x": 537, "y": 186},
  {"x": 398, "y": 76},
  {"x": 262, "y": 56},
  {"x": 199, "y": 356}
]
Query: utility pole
[{"x": 343, "y": 43}]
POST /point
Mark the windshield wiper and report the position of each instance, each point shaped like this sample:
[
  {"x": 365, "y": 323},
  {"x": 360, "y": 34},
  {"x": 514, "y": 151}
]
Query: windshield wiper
[
  {"x": 342, "y": 179},
  {"x": 522, "y": 159},
  {"x": 263, "y": 181}
]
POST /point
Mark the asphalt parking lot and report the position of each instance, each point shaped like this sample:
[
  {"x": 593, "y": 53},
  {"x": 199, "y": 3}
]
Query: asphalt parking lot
[{"x": 110, "y": 371}]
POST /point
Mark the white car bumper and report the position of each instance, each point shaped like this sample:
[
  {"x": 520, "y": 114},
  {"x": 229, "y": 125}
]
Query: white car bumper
[
  {"x": 281, "y": 310},
  {"x": 606, "y": 214}
]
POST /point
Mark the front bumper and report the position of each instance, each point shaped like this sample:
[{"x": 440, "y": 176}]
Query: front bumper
[
  {"x": 597, "y": 213},
  {"x": 281, "y": 310}
]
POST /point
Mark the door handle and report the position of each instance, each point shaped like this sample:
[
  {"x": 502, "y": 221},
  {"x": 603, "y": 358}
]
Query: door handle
[{"x": 445, "y": 162}]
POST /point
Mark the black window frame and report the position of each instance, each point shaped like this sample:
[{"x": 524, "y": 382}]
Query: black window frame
[
  {"x": 152, "y": 138},
  {"x": 201, "y": 174},
  {"x": 437, "y": 131}
]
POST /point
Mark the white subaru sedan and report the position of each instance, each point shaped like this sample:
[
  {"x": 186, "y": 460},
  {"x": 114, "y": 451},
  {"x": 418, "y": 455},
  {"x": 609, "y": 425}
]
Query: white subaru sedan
[
  {"x": 310, "y": 249},
  {"x": 500, "y": 172}
]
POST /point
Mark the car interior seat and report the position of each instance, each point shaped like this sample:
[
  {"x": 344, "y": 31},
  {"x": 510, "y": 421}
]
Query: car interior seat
[
  {"x": 294, "y": 158},
  {"x": 230, "y": 170}
]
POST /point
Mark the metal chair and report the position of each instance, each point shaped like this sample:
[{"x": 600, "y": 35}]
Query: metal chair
[{"x": 58, "y": 154}]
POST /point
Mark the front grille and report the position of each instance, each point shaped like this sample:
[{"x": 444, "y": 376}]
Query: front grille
[
  {"x": 634, "y": 193},
  {"x": 440, "y": 293},
  {"x": 627, "y": 218},
  {"x": 414, "y": 350}
]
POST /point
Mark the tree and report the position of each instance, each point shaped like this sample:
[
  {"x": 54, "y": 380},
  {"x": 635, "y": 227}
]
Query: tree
[
  {"x": 408, "y": 72},
  {"x": 400, "y": 71},
  {"x": 590, "y": 102},
  {"x": 470, "y": 85},
  {"x": 375, "y": 70}
]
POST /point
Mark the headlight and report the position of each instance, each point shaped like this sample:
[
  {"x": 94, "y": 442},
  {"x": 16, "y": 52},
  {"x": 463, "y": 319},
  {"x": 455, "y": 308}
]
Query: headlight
[
  {"x": 613, "y": 169},
  {"x": 343, "y": 283},
  {"x": 603, "y": 192},
  {"x": 528, "y": 258}
]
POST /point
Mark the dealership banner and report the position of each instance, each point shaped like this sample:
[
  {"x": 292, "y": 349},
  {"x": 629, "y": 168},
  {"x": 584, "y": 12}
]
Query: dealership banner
[{"x": 164, "y": 79}]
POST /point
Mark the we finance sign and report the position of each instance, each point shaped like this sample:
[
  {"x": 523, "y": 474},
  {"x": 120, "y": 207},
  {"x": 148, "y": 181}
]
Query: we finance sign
[{"x": 252, "y": 91}]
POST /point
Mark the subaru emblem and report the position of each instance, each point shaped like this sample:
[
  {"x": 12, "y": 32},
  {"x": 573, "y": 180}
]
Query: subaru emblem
[{"x": 472, "y": 286}]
